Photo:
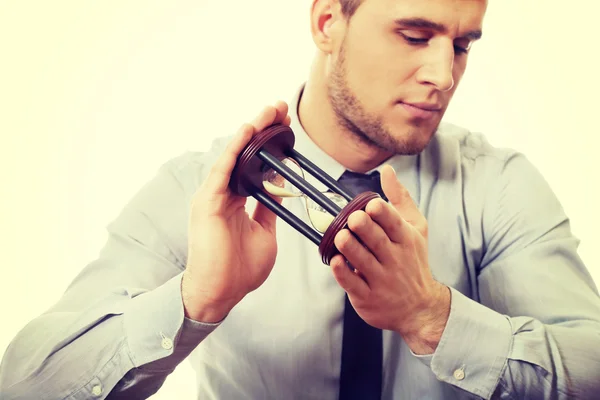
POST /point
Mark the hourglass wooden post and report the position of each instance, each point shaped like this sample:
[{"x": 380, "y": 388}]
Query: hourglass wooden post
[{"x": 267, "y": 148}]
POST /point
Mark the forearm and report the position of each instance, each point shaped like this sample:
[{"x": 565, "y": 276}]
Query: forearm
[
  {"x": 139, "y": 336},
  {"x": 489, "y": 355},
  {"x": 552, "y": 361},
  {"x": 48, "y": 358},
  {"x": 145, "y": 380}
]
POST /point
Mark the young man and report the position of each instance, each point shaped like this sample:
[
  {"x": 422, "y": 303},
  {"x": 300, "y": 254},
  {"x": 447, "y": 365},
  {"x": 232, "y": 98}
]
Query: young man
[{"x": 468, "y": 283}]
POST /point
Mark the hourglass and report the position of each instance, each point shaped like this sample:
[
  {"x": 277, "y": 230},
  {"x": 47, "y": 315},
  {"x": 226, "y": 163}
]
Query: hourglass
[{"x": 270, "y": 165}]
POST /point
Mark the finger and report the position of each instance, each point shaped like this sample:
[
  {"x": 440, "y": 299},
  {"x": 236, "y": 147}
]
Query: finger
[
  {"x": 219, "y": 175},
  {"x": 356, "y": 254},
  {"x": 348, "y": 280},
  {"x": 265, "y": 217},
  {"x": 282, "y": 112},
  {"x": 395, "y": 228},
  {"x": 270, "y": 115},
  {"x": 287, "y": 120},
  {"x": 400, "y": 198},
  {"x": 371, "y": 234}
]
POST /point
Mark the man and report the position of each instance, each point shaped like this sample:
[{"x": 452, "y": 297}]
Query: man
[{"x": 469, "y": 273}]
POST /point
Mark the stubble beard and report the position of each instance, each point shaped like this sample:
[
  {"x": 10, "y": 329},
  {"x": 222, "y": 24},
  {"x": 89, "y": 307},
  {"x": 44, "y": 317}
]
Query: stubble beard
[{"x": 363, "y": 126}]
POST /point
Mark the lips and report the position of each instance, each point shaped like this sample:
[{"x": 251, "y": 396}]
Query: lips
[
  {"x": 421, "y": 110},
  {"x": 425, "y": 106}
]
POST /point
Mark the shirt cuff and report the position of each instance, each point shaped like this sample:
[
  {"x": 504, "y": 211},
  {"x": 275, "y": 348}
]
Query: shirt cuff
[
  {"x": 158, "y": 331},
  {"x": 474, "y": 347}
]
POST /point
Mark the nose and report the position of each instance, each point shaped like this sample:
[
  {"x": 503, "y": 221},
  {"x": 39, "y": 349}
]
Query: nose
[{"x": 437, "y": 69}]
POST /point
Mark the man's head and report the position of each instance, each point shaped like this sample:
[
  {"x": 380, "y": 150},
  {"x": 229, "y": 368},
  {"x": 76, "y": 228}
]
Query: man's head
[{"x": 390, "y": 67}]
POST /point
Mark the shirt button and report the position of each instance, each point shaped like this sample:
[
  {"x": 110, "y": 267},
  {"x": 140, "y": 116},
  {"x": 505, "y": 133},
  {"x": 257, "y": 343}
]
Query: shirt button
[
  {"x": 97, "y": 390},
  {"x": 167, "y": 343},
  {"x": 459, "y": 374}
]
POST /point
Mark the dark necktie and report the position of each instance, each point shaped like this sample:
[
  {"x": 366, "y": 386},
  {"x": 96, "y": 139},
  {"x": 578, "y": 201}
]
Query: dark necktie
[{"x": 362, "y": 348}]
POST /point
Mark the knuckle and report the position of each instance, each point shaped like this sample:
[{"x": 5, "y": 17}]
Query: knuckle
[
  {"x": 405, "y": 196},
  {"x": 266, "y": 109},
  {"x": 358, "y": 220},
  {"x": 265, "y": 113},
  {"x": 378, "y": 206},
  {"x": 339, "y": 267},
  {"x": 343, "y": 239},
  {"x": 246, "y": 127},
  {"x": 407, "y": 239},
  {"x": 380, "y": 243},
  {"x": 214, "y": 170},
  {"x": 196, "y": 199},
  {"x": 424, "y": 229}
]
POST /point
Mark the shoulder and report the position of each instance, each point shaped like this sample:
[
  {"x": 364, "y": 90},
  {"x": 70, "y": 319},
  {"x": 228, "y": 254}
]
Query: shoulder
[
  {"x": 193, "y": 159},
  {"x": 191, "y": 167},
  {"x": 495, "y": 180},
  {"x": 512, "y": 187},
  {"x": 473, "y": 153},
  {"x": 458, "y": 154},
  {"x": 470, "y": 146}
]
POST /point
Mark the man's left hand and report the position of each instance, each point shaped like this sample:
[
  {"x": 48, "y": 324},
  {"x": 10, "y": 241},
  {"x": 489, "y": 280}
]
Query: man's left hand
[{"x": 392, "y": 286}]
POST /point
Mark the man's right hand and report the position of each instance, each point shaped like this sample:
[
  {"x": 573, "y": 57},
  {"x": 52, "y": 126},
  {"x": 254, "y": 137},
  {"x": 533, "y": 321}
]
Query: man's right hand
[{"x": 230, "y": 253}]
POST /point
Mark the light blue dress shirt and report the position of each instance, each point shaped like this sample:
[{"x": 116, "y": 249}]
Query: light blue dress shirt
[{"x": 524, "y": 319}]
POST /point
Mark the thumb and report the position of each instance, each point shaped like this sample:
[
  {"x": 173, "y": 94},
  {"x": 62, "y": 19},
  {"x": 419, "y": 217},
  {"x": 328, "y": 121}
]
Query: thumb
[
  {"x": 397, "y": 194},
  {"x": 264, "y": 216}
]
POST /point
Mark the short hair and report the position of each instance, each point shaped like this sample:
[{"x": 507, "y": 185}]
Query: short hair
[{"x": 349, "y": 7}]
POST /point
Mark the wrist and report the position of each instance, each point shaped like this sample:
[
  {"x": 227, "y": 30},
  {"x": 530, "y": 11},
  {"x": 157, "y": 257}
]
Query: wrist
[
  {"x": 427, "y": 327},
  {"x": 199, "y": 307}
]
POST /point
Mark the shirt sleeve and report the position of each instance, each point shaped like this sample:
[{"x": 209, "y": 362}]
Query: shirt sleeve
[
  {"x": 119, "y": 329},
  {"x": 535, "y": 331}
]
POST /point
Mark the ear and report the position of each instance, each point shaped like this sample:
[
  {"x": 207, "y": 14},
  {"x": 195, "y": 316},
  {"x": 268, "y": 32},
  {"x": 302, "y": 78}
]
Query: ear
[{"x": 326, "y": 23}]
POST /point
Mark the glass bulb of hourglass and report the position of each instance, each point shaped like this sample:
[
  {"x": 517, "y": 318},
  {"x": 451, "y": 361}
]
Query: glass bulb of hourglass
[
  {"x": 318, "y": 216},
  {"x": 277, "y": 185}
]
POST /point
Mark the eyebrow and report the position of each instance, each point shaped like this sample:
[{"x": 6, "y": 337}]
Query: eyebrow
[{"x": 421, "y": 23}]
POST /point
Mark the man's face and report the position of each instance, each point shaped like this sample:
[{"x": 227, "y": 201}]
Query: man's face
[{"x": 396, "y": 66}]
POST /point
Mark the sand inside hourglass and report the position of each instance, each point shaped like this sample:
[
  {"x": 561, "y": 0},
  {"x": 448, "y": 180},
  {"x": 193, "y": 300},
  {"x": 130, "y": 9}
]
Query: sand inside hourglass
[
  {"x": 278, "y": 186},
  {"x": 320, "y": 219},
  {"x": 279, "y": 191}
]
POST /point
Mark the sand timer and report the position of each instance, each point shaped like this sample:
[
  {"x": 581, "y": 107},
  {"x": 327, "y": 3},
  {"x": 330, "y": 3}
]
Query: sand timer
[
  {"x": 269, "y": 164},
  {"x": 276, "y": 184}
]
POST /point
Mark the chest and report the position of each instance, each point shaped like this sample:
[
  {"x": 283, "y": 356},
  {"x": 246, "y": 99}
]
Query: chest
[{"x": 292, "y": 324}]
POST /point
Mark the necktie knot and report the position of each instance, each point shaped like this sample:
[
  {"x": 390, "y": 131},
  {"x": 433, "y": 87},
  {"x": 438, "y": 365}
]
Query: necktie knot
[{"x": 359, "y": 183}]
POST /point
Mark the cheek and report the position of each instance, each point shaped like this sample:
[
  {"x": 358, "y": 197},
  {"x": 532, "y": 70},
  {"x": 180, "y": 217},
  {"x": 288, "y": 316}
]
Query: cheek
[
  {"x": 366, "y": 58},
  {"x": 395, "y": 58},
  {"x": 460, "y": 66},
  {"x": 377, "y": 70}
]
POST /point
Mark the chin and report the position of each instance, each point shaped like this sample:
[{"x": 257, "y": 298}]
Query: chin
[{"x": 408, "y": 140}]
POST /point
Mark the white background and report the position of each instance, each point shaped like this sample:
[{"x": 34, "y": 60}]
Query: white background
[{"x": 94, "y": 96}]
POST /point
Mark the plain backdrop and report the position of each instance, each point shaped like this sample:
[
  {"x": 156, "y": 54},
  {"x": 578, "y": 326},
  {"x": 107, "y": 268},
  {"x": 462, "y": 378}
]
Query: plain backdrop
[{"x": 94, "y": 96}]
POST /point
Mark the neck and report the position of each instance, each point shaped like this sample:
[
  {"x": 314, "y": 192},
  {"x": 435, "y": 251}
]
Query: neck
[{"x": 320, "y": 123}]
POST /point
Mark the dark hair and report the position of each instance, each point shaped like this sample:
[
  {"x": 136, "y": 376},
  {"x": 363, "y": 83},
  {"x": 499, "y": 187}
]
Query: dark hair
[{"x": 349, "y": 7}]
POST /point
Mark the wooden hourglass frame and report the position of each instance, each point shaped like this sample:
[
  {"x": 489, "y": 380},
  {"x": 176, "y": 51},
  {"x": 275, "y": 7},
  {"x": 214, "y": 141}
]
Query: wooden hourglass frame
[{"x": 267, "y": 148}]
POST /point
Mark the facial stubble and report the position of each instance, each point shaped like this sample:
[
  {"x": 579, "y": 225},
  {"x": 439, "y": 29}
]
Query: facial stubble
[{"x": 362, "y": 125}]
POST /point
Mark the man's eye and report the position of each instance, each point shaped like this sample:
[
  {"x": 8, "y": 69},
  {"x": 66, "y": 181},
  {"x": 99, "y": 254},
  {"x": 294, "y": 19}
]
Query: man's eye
[
  {"x": 460, "y": 50},
  {"x": 413, "y": 40},
  {"x": 416, "y": 41},
  {"x": 462, "y": 46}
]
